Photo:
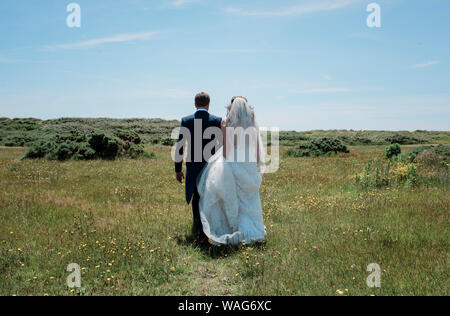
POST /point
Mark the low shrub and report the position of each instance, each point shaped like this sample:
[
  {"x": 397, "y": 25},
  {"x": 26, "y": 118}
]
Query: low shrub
[
  {"x": 85, "y": 152},
  {"x": 22, "y": 125},
  {"x": 360, "y": 141},
  {"x": 290, "y": 138},
  {"x": 79, "y": 146},
  {"x": 393, "y": 150},
  {"x": 17, "y": 141},
  {"x": 105, "y": 147},
  {"x": 404, "y": 140},
  {"x": 444, "y": 152},
  {"x": 429, "y": 158},
  {"x": 387, "y": 175},
  {"x": 128, "y": 136},
  {"x": 167, "y": 142},
  {"x": 318, "y": 147},
  {"x": 38, "y": 150}
]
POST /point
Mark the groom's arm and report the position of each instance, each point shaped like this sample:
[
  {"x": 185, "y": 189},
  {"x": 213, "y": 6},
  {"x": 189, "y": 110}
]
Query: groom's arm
[{"x": 180, "y": 154}]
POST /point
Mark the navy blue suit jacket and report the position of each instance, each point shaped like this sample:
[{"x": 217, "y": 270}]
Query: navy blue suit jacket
[{"x": 193, "y": 168}]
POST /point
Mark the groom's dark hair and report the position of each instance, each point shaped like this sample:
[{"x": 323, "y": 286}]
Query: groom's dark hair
[{"x": 202, "y": 100}]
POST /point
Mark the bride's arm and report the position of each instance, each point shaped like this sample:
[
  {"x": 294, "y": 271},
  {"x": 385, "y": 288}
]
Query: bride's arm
[{"x": 224, "y": 135}]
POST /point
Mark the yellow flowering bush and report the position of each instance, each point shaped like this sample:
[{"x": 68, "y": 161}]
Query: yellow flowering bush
[
  {"x": 390, "y": 174},
  {"x": 401, "y": 170}
]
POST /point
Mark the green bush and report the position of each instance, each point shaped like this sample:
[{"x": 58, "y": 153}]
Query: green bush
[
  {"x": 168, "y": 142},
  {"x": 372, "y": 177},
  {"x": 404, "y": 140},
  {"x": 356, "y": 140},
  {"x": 318, "y": 147},
  {"x": 128, "y": 136},
  {"x": 412, "y": 177},
  {"x": 135, "y": 151},
  {"x": 129, "y": 144},
  {"x": 444, "y": 152},
  {"x": 16, "y": 141},
  {"x": 411, "y": 157},
  {"x": 379, "y": 174},
  {"x": 22, "y": 125},
  {"x": 63, "y": 151},
  {"x": 290, "y": 138},
  {"x": 393, "y": 150},
  {"x": 85, "y": 152},
  {"x": 79, "y": 146},
  {"x": 105, "y": 146},
  {"x": 38, "y": 150}
]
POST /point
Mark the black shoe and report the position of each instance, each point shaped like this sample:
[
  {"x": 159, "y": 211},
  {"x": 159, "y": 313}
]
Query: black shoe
[{"x": 202, "y": 238}]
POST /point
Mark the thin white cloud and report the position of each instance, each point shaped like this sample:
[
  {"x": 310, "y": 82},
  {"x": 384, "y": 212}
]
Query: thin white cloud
[
  {"x": 240, "y": 51},
  {"x": 324, "y": 91},
  {"x": 9, "y": 60},
  {"x": 181, "y": 3},
  {"x": 304, "y": 8},
  {"x": 121, "y": 38},
  {"x": 327, "y": 77},
  {"x": 427, "y": 64}
]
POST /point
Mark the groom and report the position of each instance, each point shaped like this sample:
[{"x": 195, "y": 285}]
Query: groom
[{"x": 194, "y": 165}]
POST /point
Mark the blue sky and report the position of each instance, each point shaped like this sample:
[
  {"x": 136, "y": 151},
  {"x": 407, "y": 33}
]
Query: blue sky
[{"x": 303, "y": 64}]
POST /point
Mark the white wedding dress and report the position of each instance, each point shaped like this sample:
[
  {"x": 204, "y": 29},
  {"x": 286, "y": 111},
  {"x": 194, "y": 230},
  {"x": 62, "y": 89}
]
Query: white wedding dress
[{"x": 230, "y": 203}]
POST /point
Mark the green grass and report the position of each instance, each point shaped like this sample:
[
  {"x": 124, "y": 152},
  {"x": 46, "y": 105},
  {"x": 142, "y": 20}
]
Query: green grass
[{"x": 126, "y": 223}]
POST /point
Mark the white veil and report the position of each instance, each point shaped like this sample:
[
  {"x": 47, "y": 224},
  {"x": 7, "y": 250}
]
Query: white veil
[
  {"x": 241, "y": 118},
  {"x": 241, "y": 114}
]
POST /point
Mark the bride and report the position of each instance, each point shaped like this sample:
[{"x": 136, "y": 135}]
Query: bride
[{"x": 230, "y": 204}]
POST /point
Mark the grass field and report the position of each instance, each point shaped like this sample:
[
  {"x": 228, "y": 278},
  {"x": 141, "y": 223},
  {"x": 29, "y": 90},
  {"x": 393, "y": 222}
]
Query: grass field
[{"x": 126, "y": 224}]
